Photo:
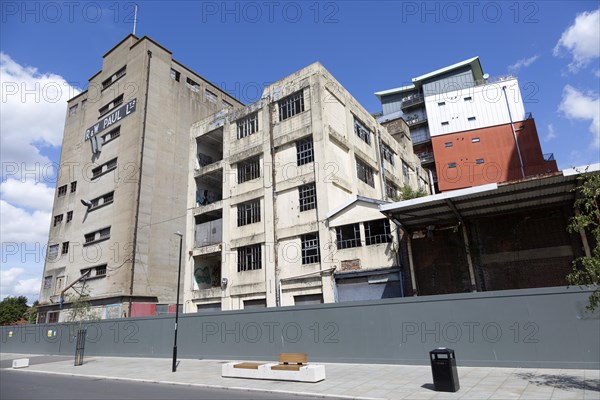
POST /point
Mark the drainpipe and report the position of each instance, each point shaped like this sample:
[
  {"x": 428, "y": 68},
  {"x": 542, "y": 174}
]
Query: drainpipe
[
  {"x": 274, "y": 199},
  {"x": 380, "y": 163},
  {"x": 139, "y": 186},
  {"x": 514, "y": 132}
]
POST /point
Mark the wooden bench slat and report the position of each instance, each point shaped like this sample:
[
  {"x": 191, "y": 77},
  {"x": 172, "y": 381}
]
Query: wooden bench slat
[
  {"x": 247, "y": 365},
  {"x": 287, "y": 367},
  {"x": 298, "y": 358}
]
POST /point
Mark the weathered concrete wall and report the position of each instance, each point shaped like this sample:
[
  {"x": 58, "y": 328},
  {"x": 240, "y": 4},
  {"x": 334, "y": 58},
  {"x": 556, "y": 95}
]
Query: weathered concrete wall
[{"x": 528, "y": 328}]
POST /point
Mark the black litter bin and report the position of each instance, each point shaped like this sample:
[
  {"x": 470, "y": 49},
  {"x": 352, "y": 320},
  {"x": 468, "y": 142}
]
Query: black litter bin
[{"x": 443, "y": 369}]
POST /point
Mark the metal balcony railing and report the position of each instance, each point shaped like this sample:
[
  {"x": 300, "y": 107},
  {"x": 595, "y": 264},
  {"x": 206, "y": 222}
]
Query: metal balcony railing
[
  {"x": 412, "y": 122},
  {"x": 426, "y": 157},
  {"x": 412, "y": 100}
]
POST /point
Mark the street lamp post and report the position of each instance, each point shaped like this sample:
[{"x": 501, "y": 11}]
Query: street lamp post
[{"x": 177, "y": 306}]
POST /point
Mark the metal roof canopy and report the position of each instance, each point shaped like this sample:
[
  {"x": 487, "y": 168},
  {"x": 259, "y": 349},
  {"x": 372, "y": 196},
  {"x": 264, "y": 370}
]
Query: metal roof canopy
[{"x": 491, "y": 199}]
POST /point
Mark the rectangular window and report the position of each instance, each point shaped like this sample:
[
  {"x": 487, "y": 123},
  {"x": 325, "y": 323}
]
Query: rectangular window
[
  {"x": 83, "y": 104},
  {"x": 365, "y": 173},
  {"x": 62, "y": 191},
  {"x": 111, "y": 106},
  {"x": 65, "y": 248},
  {"x": 448, "y": 144},
  {"x": 291, "y": 105},
  {"x": 249, "y": 212},
  {"x": 310, "y": 248},
  {"x": 69, "y": 216},
  {"x": 475, "y": 140},
  {"x": 247, "y": 126},
  {"x": 442, "y": 103},
  {"x": 248, "y": 170},
  {"x": 58, "y": 219},
  {"x": 73, "y": 186},
  {"x": 47, "y": 282},
  {"x": 307, "y": 195},
  {"x": 471, "y": 119},
  {"x": 52, "y": 251},
  {"x": 101, "y": 270},
  {"x": 115, "y": 77},
  {"x": 377, "y": 232},
  {"x": 452, "y": 165},
  {"x": 53, "y": 317},
  {"x": 249, "y": 258},
  {"x": 445, "y": 123},
  {"x": 226, "y": 104},
  {"x": 97, "y": 236},
  {"x": 103, "y": 200},
  {"x": 210, "y": 96},
  {"x": 304, "y": 151},
  {"x": 73, "y": 110},
  {"x": 391, "y": 190},
  {"x": 405, "y": 172},
  {"x": 468, "y": 98},
  {"x": 104, "y": 168},
  {"x": 361, "y": 131},
  {"x": 193, "y": 86},
  {"x": 113, "y": 134},
  {"x": 175, "y": 75},
  {"x": 348, "y": 236},
  {"x": 479, "y": 161},
  {"x": 387, "y": 153}
]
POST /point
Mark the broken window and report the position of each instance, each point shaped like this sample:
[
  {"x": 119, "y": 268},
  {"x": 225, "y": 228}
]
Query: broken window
[
  {"x": 378, "y": 232},
  {"x": 387, "y": 153},
  {"x": 304, "y": 151},
  {"x": 97, "y": 236},
  {"x": 348, "y": 236},
  {"x": 249, "y": 212},
  {"x": 102, "y": 200},
  {"x": 107, "y": 82},
  {"x": 248, "y": 170},
  {"x": 249, "y": 258},
  {"x": 365, "y": 173},
  {"x": 65, "y": 248},
  {"x": 52, "y": 251},
  {"x": 73, "y": 186},
  {"x": 405, "y": 172},
  {"x": 58, "y": 219},
  {"x": 247, "y": 126},
  {"x": 308, "y": 196},
  {"x": 391, "y": 190},
  {"x": 104, "y": 168},
  {"x": 111, "y": 106},
  {"x": 210, "y": 96},
  {"x": 361, "y": 131},
  {"x": 291, "y": 105},
  {"x": 310, "y": 248},
  {"x": 193, "y": 86},
  {"x": 62, "y": 191},
  {"x": 175, "y": 75},
  {"x": 69, "y": 216},
  {"x": 47, "y": 282},
  {"x": 113, "y": 134}
]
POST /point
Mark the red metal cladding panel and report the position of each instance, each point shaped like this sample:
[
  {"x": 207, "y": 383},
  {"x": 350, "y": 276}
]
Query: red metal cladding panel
[{"x": 143, "y": 309}]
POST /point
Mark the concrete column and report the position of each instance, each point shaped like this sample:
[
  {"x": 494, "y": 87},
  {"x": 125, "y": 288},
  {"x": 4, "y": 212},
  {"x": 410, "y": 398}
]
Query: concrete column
[{"x": 413, "y": 278}]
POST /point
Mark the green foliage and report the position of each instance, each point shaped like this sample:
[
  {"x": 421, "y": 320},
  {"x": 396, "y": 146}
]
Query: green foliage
[
  {"x": 31, "y": 314},
  {"x": 80, "y": 307},
  {"x": 407, "y": 193},
  {"x": 586, "y": 270},
  {"x": 12, "y": 309}
]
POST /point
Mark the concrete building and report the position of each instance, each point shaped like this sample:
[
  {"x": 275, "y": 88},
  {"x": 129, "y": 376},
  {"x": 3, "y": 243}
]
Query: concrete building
[
  {"x": 467, "y": 128},
  {"x": 122, "y": 184},
  {"x": 283, "y": 201}
]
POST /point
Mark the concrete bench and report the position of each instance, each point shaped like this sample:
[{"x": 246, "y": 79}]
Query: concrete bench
[
  {"x": 291, "y": 367},
  {"x": 20, "y": 363}
]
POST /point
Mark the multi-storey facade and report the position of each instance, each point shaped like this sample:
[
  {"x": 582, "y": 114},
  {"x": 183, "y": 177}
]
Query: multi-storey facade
[
  {"x": 283, "y": 200},
  {"x": 122, "y": 184},
  {"x": 466, "y": 128}
]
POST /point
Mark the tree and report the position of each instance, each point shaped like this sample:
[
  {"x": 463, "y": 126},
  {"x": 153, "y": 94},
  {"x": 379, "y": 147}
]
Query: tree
[
  {"x": 12, "y": 309},
  {"x": 586, "y": 270},
  {"x": 407, "y": 193},
  {"x": 31, "y": 313},
  {"x": 80, "y": 307}
]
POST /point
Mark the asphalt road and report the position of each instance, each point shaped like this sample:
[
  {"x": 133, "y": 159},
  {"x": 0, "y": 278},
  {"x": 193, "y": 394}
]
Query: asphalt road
[{"x": 31, "y": 385}]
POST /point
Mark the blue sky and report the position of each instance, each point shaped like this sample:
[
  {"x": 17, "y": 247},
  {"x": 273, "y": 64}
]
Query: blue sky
[{"x": 552, "y": 47}]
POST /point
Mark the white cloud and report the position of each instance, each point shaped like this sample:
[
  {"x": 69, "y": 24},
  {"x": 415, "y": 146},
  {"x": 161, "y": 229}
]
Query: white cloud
[
  {"x": 12, "y": 284},
  {"x": 579, "y": 106},
  {"x": 33, "y": 113},
  {"x": 551, "y": 134},
  {"x": 20, "y": 226},
  {"x": 524, "y": 62},
  {"x": 581, "y": 39},
  {"x": 27, "y": 193}
]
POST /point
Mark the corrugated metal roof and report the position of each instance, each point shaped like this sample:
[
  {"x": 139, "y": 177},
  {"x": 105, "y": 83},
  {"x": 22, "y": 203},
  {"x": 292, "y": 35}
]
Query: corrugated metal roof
[{"x": 450, "y": 207}]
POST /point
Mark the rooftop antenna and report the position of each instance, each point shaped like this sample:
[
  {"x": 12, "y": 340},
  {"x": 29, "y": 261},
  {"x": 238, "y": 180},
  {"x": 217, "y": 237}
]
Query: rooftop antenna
[{"x": 134, "y": 17}]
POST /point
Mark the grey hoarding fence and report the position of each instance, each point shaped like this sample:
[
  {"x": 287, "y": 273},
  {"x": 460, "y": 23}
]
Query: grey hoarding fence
[{"x": 546, "y": 327}]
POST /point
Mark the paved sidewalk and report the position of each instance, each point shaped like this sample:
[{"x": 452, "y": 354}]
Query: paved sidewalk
[{"x": 343, "y": 380}]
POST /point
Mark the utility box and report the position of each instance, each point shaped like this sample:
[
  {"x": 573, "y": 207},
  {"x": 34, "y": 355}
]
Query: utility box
[{"x": 443, "y": 369}]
